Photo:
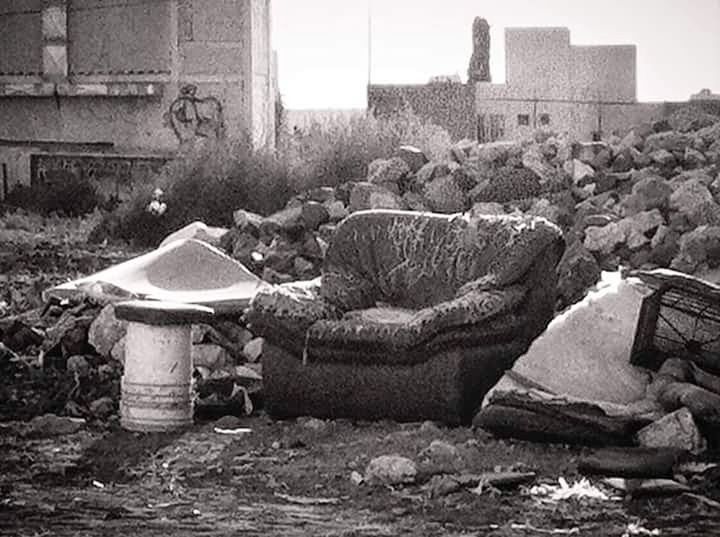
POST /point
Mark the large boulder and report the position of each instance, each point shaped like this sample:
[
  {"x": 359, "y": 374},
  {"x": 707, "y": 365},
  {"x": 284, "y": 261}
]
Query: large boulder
[
  {"x": 432, "y": 170},
  {"x": 413, "y": 157},
  {"x": 662, "y": 157},
  {"x": 699, "y": 249},
  {"x": 581, "y": 173},
  {"x": 668, "y": 141},
  {"x": 498, "y": 152},
  {"x": 641, "y": 227},
  {"x": 533, "y": 159},
  {"x": 604, "y": 239},
  {"x": 443, "y": 195},
  {"x": 389, "y": 173},
  {"x": 648, "y": 193},
  {"x": 689, "y": 195},
  {"x": 634, "y": 231},
  {"x": 367, "y": 195},
  {"x": 578, "y": 270},
  {"x": 508, "y": 184}
]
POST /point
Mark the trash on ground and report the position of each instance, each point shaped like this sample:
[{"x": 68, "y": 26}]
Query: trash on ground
[{"x": 582, "y": 489}]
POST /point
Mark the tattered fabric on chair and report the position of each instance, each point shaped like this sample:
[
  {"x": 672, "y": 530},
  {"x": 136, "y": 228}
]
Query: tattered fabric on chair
[{"x": 415, "y": 316}]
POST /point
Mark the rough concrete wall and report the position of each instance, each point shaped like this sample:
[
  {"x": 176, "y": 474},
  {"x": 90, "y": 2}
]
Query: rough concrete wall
[
  {"x": 213, "y": 37},
  {"x": 119, "y": 36},
  {"x": 20, "y": 37},
  {"x": 578, "y": 119},
  {"x": 263, "y": 123},
  {"x": 605, "y": 73},
  {"x": 129, "y": 123},
  {"x": 538, "y": 62},
  {"x": 619, "y": 118},
  {"x": 709, "y": 106},
  {"x": 214, "y": 49},
  {"x": 451, "y": 106}
]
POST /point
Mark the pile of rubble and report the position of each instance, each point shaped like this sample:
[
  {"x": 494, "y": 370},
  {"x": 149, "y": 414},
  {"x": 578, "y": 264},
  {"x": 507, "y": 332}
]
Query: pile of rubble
[
  {"x": 650, "y": 199},
  {"x": 67, "y": 359}
]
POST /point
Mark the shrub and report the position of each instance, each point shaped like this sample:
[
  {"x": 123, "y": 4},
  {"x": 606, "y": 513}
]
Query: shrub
[
  {"x": 62, "y": 193},
  {"x": 206, "y": 183},
  {"x": 330, "y": 153},
  {"x": 211, "y": 181}
]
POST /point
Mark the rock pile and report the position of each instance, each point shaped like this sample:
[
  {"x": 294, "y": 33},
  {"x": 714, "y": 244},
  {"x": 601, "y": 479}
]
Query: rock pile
[
  {"x": 67, "y": 359},
  {"x": 649, "y": 199}
]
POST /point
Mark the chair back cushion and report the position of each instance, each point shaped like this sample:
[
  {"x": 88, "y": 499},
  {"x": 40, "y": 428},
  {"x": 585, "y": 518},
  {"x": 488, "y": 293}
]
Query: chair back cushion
[{"x": 415, "y": 260}]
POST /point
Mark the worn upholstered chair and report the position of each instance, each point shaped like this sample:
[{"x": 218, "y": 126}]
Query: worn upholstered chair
[{"x": 415, "y": 316}]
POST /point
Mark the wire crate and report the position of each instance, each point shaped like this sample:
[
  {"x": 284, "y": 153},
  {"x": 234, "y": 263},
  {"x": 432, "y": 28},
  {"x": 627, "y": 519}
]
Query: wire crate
[{"x": 680, "y": 319}]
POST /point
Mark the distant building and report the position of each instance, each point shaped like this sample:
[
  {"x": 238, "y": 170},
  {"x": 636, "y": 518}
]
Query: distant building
[
  {"x": 549, "y": 83},
  {"x": 705, "y": 95},
  {"x": 100, "y": 85}
]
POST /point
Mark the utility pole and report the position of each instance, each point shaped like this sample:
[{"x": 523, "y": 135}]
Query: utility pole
[{"x": 369, "y": 42}]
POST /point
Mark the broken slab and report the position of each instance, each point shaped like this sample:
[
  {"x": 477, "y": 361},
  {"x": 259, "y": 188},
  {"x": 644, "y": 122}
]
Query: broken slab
[
  {"x": 584, "y": 352},
  {"x": 632, "y": 462},
  {"x": 186, "y": 271},
  {"x": 676, "y": 430},
  {"x": 196, "y": 230}
]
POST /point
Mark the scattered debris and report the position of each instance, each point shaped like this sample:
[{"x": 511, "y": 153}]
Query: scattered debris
[
  {"x": 304, "y": 500},
  {"x": 582, "y": 489},
  {"x": 238, "y": 431},
  {"x": 636, "y": 529}
]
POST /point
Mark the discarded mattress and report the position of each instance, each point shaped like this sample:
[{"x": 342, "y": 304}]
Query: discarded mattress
[
  {"x": 575, "y": 383},
  {"x": 187, "y": 271}
]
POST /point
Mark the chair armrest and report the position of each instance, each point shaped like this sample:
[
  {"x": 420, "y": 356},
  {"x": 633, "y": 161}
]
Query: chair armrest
[
  {"x": 471, "y": 307},
  {"x": 289, "y": 309}
]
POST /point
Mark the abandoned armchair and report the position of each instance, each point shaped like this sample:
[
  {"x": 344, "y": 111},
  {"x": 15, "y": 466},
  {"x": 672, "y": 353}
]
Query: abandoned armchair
[{"x": 415, "y": 317}]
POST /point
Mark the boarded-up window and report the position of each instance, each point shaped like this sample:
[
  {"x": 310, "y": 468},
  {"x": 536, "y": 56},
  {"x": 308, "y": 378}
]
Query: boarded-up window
[
  {"x": 21, "y": 39},
  {"x": 119, "y": 36}
]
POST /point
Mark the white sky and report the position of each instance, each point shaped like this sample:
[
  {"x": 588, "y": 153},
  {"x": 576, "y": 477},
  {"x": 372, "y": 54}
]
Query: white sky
[{"x": 322, "y": 45}]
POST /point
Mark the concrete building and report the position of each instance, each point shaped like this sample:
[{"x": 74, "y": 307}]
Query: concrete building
[
  {"x": 94, "y": 83},
  {"x": 549, "y": 82}
]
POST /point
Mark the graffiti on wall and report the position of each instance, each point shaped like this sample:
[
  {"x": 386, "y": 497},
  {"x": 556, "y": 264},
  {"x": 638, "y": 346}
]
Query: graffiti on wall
[
  {"x": 112, "y": 175},
  {"x": 191, "y": 117}
]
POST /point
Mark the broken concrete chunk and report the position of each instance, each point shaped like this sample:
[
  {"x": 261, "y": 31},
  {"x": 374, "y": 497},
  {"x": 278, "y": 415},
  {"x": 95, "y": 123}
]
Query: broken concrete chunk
[
  {"x": 676, "y": 430},
  {"x": 106, "y": 330},
  {"x": 210, "y": 355},
  {"x": 253, "y": 350},
  {"x": 52, "y": 425},
  {"x": 390, "y": 470}
]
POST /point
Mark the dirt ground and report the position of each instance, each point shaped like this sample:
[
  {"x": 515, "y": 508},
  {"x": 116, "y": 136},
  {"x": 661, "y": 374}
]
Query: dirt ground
[
  {"x": 294, "y": 478},
  {"x": 284, "y": 477}
]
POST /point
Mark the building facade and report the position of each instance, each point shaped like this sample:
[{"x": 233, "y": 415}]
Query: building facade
[
  {"x": 549, "y": 82},
  {"x": 582, "y": 90},
  {"x": 139, "y": 78}
]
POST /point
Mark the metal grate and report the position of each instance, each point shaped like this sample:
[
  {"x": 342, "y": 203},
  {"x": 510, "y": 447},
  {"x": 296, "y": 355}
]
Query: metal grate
[{"x": 680, "y": 319}]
